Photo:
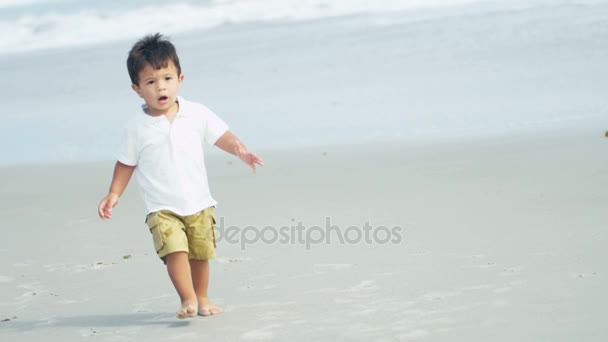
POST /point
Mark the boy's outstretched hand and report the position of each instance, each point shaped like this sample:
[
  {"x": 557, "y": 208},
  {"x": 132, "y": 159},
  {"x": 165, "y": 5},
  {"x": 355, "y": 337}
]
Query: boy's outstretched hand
[
  {"x": 231, "y": 144},
  {"x": 105, "y": 206},
  {"x": 249, "y": 158}
]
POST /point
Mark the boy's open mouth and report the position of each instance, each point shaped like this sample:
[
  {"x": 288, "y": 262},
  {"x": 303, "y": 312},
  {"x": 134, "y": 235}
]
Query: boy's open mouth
[{"x": 163, "y": 98}]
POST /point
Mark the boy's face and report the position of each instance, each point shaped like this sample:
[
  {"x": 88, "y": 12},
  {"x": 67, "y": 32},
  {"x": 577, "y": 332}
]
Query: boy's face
[{"x": 159, "y": 88}]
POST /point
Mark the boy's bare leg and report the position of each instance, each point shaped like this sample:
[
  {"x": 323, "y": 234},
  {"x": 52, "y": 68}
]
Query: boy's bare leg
[
  {"x": 178, "y": 267},
  {"x": 200, "y": 278}
]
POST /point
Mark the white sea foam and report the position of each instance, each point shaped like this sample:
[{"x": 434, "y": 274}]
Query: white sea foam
[
  {"x": 16, "y": 3},
  {"x": 64, "y": 27},
  {"x": 41, "y": 24}
]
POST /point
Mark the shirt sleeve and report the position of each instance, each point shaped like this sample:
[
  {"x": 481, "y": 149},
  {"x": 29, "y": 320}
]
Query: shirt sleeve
[
  {"x": 213, "y": 127},
  {"x": 127, "y": 152}
]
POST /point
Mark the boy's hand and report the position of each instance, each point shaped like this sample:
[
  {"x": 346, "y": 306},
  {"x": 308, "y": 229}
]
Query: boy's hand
[
  {"x": 230, "y": 143},
  {"x": 105, "y": 206},
  {"x": 248, "y": 158}
]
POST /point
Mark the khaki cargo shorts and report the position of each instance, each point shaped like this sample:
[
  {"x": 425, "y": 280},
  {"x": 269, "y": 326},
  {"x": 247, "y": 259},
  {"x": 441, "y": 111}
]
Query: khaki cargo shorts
[{"x": 193, "y": 234}]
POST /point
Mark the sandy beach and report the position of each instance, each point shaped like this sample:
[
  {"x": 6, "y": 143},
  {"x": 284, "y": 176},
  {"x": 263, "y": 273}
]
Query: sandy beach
[
  {"x": 433, "y": 174},
  {"x": 502, "y": 240}
]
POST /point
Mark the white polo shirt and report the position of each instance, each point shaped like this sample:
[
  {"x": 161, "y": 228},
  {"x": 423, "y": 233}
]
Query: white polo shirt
[{"x": 169, "y": 157}]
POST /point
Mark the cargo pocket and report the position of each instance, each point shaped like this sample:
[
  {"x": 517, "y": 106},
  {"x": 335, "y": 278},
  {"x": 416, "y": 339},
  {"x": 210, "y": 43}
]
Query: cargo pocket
[
  {"x": 153, "y": 223},
  {"x": 208, "y": 225}
]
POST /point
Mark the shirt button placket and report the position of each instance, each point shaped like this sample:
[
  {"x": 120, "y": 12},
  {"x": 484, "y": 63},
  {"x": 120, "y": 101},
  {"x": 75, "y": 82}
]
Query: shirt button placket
[{"x": 176, "y": 150}]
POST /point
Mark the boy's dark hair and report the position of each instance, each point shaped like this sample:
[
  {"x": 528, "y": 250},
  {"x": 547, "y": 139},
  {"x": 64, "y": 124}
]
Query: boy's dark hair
[{"x": 153, "y": 49}]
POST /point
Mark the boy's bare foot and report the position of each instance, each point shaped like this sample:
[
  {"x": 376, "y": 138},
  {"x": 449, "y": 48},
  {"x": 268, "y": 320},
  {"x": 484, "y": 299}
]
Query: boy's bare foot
[
  {"x": 187, "y": 311},
  {"x": 206, "y": 308}
]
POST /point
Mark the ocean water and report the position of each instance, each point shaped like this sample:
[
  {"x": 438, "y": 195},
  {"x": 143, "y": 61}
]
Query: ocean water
[
  {"x": 36, "y": 24},
  {"x": 286, "y": 73}
]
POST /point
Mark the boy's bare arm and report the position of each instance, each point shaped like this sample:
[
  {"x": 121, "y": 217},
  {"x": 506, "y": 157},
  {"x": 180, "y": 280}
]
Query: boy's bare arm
[
  {"x": 122, "y": 175},
  {"x": 231, "y": 144}
]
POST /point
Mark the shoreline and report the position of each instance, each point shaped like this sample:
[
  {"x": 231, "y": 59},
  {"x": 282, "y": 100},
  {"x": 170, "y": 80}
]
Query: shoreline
[{"x": 590, "y": 130}]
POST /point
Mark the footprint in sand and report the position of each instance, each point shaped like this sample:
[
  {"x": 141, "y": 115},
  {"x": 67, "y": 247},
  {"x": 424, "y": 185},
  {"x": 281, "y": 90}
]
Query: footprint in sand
[
  {"x": 511, "y": 271},
  {"x": 582, "y": 275},
  {"x": 366, "y": 285},
  {"x": 33, "y": 290}
]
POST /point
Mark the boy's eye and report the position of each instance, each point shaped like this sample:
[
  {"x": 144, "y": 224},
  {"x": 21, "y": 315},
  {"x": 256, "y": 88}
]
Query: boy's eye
[
  {"x": 168, "y": 78},
  {"x": 150, "y": 82}
]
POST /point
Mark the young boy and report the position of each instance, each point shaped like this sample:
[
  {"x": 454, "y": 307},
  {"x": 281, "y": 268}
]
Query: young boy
[{"x": 164, "y": 148}]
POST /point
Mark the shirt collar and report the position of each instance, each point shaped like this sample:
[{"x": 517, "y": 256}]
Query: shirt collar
[{"x": 160, "y": 118}]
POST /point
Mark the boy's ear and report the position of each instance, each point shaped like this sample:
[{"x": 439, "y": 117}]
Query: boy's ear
[
  {"x": 181, "y": 77},
  {"x": 135, "y": 88}
]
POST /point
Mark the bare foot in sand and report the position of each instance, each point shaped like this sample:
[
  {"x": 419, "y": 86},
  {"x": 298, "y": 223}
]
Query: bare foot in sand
[
  {"x": 206, "y": 308},
  {"x": 187, "y": 310}
]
